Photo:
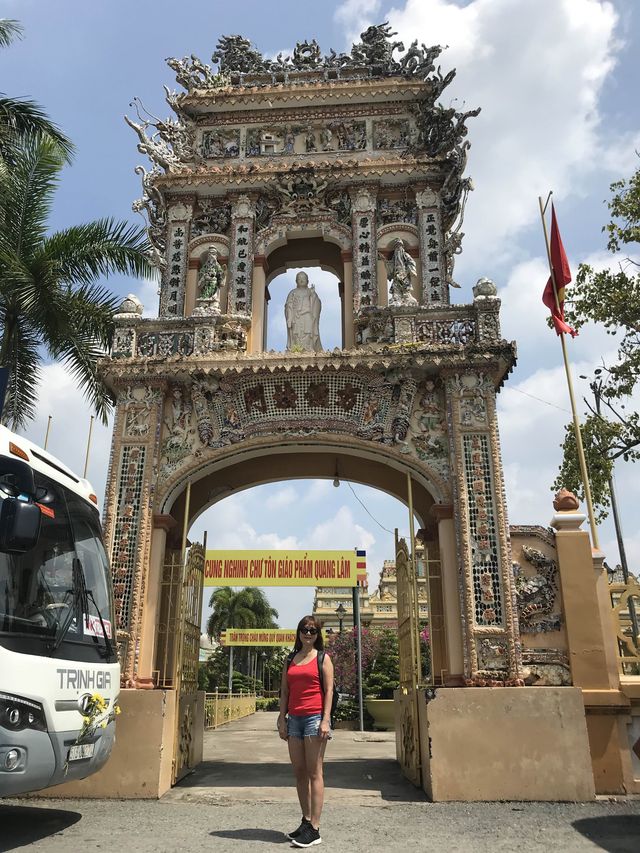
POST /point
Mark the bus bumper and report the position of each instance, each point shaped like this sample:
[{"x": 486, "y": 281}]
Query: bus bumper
[{"x": 43, "y": 756}]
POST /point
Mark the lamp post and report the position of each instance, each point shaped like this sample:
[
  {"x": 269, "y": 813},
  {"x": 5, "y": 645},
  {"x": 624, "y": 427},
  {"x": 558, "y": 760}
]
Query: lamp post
[
  {"x": 263, "y": 658},
  {"x": 340, "y": 613}
]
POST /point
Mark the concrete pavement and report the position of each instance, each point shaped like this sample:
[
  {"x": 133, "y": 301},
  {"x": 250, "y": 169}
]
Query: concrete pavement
[
  {"x": 241, "y": 799},
  {"x": 246, "y": 761}
]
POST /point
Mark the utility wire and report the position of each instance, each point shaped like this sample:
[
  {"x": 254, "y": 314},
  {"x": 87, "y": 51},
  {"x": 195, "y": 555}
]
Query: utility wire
[
  {"x": 540, "y": 400},
  {"x": 365, "y": 509}
]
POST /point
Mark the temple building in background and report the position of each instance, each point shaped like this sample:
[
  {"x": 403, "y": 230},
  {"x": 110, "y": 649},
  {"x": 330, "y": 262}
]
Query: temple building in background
[{"x": 378, "y": 610}]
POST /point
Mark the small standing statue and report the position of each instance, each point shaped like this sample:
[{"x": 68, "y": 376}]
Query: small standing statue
[
  {"x": 210, "y": 280},
  {"x": 302, "y": 313},
  {"x": 399, "y": 271}
]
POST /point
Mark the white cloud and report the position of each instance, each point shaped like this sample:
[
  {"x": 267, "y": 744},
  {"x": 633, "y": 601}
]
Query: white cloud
[
  {"x": 281, "y": 499},
  {"x": 537, "y": 70},
  {"x": 341, "y": 531}
]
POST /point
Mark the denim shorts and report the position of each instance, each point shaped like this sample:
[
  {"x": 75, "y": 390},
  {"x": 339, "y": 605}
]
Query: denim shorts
[{"x": 302, "y": 727}]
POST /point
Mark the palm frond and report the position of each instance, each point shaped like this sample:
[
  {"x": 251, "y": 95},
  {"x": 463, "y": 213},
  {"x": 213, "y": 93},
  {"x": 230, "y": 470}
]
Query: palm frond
[
  {"x": 85, "y": 253},
  {"x": 19, "y": 348},
  {"x": 84, "y": 314},
  {"x": 21, "y": 119},
  {"x": 10, "y": 30},
  {"x": 28, "y": 195},
  {"x": 80, "y": 357}
]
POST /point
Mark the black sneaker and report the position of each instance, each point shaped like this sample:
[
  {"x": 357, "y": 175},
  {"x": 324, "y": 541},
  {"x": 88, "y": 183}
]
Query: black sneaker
[
  {"x": 308, "y": 837},
  {"x": 296, "y": 832}
]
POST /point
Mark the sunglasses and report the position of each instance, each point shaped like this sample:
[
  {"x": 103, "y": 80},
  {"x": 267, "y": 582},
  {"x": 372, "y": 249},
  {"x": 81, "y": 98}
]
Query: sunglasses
[{"x": 311, "y": 631}]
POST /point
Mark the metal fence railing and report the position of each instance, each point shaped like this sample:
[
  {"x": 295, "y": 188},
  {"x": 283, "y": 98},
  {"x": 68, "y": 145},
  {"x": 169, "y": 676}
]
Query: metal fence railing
[{"x": 220, "y": 708}]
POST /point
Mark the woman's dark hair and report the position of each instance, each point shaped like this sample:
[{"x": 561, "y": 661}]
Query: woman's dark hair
[{"x": 312, "y": 622}]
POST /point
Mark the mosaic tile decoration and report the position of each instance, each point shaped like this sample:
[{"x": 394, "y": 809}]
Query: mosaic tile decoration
[
  {"x": 334, "y": 397},
  {"x": 487, "y": 587},
  {"x": 127, "y": 527}
]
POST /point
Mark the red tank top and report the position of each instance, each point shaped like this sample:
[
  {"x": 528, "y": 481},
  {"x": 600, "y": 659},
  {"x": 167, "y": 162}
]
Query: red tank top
[{"x": 305, "y": 695}]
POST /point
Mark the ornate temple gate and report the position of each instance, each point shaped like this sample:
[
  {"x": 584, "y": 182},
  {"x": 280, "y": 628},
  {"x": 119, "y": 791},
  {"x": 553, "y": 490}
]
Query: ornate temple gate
[
  {"x": 408, "y": 732},
  {"x": 347, "y": 162}
]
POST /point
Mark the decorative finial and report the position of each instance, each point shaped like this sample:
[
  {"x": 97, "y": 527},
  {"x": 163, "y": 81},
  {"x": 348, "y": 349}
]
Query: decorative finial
[
  {"x": 565, "y": 501},
  {"x": 130, "y": 305}
]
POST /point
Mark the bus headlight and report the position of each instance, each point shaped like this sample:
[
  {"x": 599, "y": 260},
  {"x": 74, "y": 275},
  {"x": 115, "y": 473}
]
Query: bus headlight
[{"x": 18, "y": 713}]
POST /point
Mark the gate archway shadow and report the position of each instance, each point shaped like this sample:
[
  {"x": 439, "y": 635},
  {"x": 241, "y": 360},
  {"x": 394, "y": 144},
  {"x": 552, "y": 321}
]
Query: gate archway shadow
[
  {"x": 616, "y": 833},
  {"x": 22, "y": 825},
  {"x": 246, "y": 760}
]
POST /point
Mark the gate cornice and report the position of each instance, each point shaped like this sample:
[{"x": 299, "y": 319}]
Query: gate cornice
[{"x": 339, "y": 169}]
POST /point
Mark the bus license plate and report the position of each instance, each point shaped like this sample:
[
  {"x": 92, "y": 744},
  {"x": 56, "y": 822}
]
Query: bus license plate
[{"x": 81, "y": 750}]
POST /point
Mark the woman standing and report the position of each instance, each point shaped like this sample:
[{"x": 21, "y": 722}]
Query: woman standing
[{"x": 304, "y": 722}]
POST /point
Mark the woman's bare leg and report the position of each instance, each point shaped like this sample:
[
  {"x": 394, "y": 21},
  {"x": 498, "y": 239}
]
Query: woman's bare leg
[
  {"x": 314, "y": 748},
  {"x": 298, "y": 762}
]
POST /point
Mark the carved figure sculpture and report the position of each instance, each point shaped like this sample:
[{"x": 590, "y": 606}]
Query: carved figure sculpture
[
  {"x": 399, "y": 270},
  {"x": 211, "y": 278},
  {"x": 302, "y": 313}
]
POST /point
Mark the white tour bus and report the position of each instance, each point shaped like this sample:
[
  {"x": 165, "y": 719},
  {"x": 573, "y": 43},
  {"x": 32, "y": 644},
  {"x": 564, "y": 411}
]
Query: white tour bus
[{"x": 57, "y": 634}]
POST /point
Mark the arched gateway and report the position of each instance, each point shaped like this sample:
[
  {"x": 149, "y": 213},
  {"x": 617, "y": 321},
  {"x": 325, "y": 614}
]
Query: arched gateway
[
  {"x": 314, "y": 162},
  {"x": 349, "y": 163}
]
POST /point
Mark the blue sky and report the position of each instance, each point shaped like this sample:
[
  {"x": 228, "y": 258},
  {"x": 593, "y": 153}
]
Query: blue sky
[{"x": 557, "y": 83}]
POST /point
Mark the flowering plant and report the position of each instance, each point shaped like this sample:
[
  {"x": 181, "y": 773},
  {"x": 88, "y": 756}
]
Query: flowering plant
[{"x": 96, "y": 716}]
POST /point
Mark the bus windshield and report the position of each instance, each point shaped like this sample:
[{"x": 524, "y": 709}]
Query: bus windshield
[{"x": 56, "y": 598}]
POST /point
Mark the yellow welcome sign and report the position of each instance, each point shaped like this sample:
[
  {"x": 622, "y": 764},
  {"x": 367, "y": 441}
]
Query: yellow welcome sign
[
  {"x": 258, "y": 637},
  {"x": 284, "y": 568}
]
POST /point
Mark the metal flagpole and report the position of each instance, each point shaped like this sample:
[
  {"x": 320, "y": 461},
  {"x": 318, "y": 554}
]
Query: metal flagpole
[
  {"x": 574, "y": 411},
  {"x": 46, "y": 438},
  {"x": 86, "y": 458}
]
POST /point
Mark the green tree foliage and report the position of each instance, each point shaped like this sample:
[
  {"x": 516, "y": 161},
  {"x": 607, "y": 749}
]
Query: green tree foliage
[
  {"x": 244, "y": 608},
  {"x": 50, "y": 298},
  {"x": 611, "y": 430},
  {"x": 382, "y": 676},
  {"x": 342, "y": 648}
]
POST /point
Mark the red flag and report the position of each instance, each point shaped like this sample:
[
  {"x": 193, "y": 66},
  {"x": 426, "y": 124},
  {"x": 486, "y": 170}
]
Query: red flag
[{"x": 562, "y": 275}]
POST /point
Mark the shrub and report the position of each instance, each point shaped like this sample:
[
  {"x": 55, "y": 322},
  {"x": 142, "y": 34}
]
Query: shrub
[{"x": 272, "y": 704}]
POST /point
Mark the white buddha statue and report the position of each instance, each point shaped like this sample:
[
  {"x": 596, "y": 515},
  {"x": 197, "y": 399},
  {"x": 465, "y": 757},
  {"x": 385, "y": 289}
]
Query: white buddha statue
[{"x": 302, "y": 313}]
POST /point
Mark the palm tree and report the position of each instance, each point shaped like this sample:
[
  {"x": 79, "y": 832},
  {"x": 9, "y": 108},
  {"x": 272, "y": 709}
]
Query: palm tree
[
  {"x": 21, "y": 118},
  {"x": 50, "y": 299},
  {"x": 245, "y": 608}
]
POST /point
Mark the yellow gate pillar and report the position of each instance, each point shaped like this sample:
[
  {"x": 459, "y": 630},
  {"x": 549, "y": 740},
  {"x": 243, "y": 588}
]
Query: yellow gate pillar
[{"x": 592, "y": 654}]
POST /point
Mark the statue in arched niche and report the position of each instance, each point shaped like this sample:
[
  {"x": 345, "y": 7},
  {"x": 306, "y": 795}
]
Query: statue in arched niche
[
  {"x": 211, "y": 278},
  {"x": 302, "y": 313},
  {"x": 399, "y": 271}
]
